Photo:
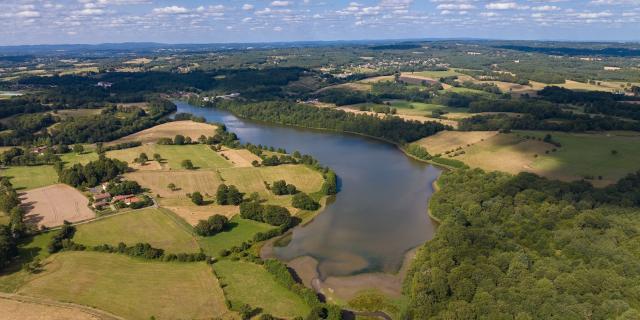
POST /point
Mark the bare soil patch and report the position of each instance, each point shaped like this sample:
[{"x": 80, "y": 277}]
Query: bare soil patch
[
  {"x": 169, "y": 130},
  {"x": 50, "y": 206}
]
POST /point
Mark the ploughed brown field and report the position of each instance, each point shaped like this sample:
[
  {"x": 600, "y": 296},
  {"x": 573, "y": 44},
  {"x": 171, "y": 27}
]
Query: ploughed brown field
[{"x": 50, "y": 206}]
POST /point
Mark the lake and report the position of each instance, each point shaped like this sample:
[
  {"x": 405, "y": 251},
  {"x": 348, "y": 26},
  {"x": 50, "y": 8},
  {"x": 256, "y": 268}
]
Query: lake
[{"x": 380, "y": 212}]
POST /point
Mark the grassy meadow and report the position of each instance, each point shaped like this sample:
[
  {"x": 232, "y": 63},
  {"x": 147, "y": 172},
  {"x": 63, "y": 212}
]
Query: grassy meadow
[
  {"x": 603, "y": 158},
  {"x": 123, "y": 286},
  {"x": 201, "y": 156},
  {"x": 150, "y": 225},
  {"x": 239, "y": 231},
  {"x": 248, "y": 283},
  {"x": 30, "y": 177}
]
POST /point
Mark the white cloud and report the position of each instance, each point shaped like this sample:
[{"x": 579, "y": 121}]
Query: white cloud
[
  {"x": 170, "y": 10},
  {"x": 279, "y": 3},
  {"x": 247, "y": 7}
]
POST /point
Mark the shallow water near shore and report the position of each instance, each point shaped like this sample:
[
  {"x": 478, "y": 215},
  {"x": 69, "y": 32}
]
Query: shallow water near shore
[{"x": 380, "y": 212}]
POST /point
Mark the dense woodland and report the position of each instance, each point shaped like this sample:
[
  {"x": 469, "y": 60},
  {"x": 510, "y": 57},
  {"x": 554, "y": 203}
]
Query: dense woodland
[
  {"x": 523, "y": 247},
  {"x": 391, "y": 128}
]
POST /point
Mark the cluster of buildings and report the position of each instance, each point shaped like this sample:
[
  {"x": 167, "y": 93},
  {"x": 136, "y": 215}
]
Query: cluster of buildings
[{"x": 102, "y": 198}]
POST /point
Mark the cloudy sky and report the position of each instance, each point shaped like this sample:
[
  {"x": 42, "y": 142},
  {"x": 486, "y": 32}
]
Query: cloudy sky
[{"x": 209, "y": 21}]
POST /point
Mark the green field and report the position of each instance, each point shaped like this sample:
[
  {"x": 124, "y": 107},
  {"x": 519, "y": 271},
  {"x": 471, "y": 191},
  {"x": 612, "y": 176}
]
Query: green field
[
  {"x": 72, "y": 158},
  {"x": 200, "y": 155},
  {"x": 12, "y": 277},
  {"x": 150, "y": 225},
  {"x": 128, "y": 287},
  {"x": 252, "y": 179},
  {"x": 584, "y": 155},
  {"x": 241, "y": 230},
  {"x": 30, "y": 177},
  {"x": 248, "y": 283},
  {"x": 421, "y": 109}
]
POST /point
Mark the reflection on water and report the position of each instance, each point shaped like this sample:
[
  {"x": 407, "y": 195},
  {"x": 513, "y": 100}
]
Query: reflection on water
[{"x": 380, "y": 212}]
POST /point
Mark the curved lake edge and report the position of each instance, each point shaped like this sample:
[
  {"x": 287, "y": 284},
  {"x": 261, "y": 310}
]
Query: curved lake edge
[{"x": 373, "y": 278}]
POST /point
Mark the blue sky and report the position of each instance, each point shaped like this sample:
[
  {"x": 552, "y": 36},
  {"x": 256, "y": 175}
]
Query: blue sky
[{"x": 208, "y": 21}]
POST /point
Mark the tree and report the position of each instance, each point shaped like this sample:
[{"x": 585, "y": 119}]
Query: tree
[
  {"x": 187, "y": 164},
  {"x": 234, "y": 196},
  {"x": 8, "y": 247},
  {"x": 304, "y": 201},
  {"x": 221, "y": 194},
  {"x": 179, "y": 139},
  {"x": 276, "y": 215},
  {"x": 196, "y": 198},
  {"x": 142, "y": 158},
  {"x": 330, "y": 185},
  {"x": 172, "y": 186},
  {"x": 211, "y": 226},
  {"x": 157, "y": 157},
  {"x": 78, "y": 148},
  {"x": 251, "y": 210}
]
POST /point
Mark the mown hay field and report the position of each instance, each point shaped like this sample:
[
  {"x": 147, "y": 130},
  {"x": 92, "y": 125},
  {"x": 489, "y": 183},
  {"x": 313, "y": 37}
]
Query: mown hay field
[
  {"x": 200, "y": 155},
  {"x": 186, "y": 128},
  {"x": 149, "y": 225},
  {"x": 130, "y": 288}
]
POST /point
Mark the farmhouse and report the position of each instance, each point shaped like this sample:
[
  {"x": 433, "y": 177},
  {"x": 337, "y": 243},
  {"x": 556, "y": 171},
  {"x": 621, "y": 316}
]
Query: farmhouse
[
  {"x": 100, "y": 204},
  {"x": 127, "y": 199},
  {"x": 102, "y": 196}
]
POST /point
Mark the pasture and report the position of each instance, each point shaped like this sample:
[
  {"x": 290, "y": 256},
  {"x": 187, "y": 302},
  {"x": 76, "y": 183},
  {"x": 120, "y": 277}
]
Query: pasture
[
  {"x": 200, "y": 155},
  {"x": 590, "y": 155},
  {"x": 72, "y": 158},
  {"x": 248, "y": 283},
  {"x": 240, "y": 157},
  {"x": 26, "y": 178},
  {"x": 602, "y": 158},
  {"x": 250, "y": 180},
  {"x": 239, "y": 231},
  {"x": 149, "y": 225},
  {"x": 450, "y": 140},
  {"x": 186, "y": 128},
  {"x": 123, "y": 286},
  {"x": 186, "y": 181},
  {"x": 50, "y": 206}
]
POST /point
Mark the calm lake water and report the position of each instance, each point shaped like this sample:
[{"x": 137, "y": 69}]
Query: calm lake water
[{"x": 380, "y": 212}]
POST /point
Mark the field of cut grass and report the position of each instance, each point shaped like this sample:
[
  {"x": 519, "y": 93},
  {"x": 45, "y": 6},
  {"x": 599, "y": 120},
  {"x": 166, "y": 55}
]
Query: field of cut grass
[
  {"x": 248, "y": 283},
  {"x": 421, "y": 109},
  {"x": 252, "y": 179},
  {"x": 72, "y": 158},
  {"x": 186, "y": 181},
  {"x": 150, "y": 225},
  {"x": 25, "y": 178},
  {"x": 450, "y": 140},
  {"x": 240, "y": 230},
  {"x": 128, "y": 287},
  {"x": 170, "y": 130},
  {"x": 201, "y": 156}
]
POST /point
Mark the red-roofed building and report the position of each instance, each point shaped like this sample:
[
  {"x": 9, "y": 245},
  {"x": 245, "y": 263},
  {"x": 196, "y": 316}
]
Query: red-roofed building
[{"x": 101, "y": 197}]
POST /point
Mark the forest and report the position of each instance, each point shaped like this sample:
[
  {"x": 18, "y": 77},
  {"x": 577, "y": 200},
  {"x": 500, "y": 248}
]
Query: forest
[
  {"x": 524, "y": 247},
  {"x": 391, "y": 128}
]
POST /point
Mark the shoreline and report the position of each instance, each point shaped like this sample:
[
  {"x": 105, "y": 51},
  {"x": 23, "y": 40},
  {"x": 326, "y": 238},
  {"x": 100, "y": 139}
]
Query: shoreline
[{"x": 305, "y": 267}]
